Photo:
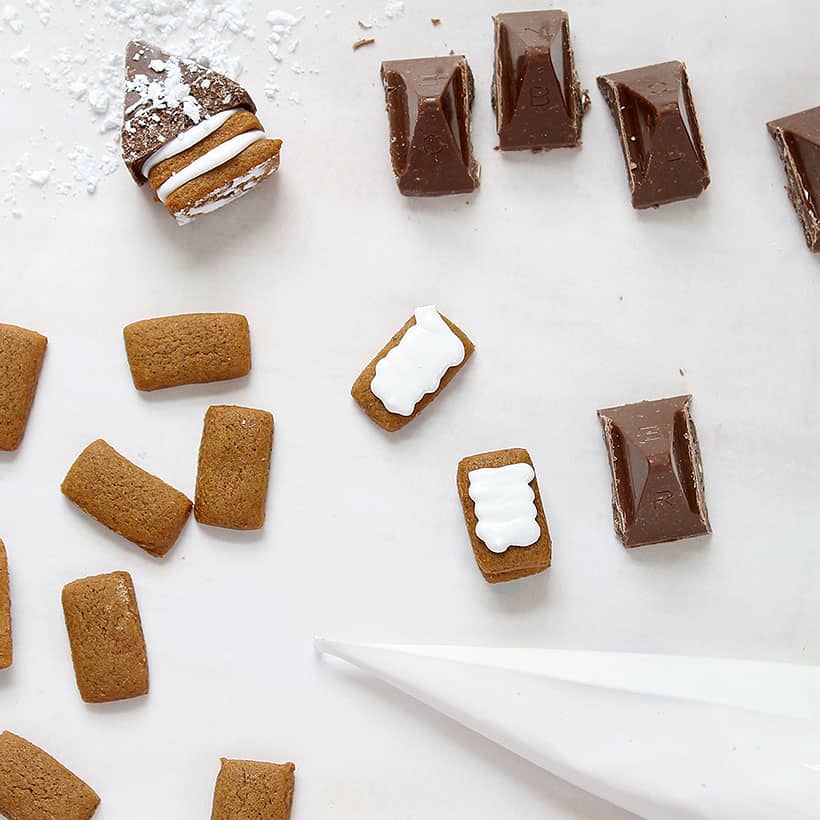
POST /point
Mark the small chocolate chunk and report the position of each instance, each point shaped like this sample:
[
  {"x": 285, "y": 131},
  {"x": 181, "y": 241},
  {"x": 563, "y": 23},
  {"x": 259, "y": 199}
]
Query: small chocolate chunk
[
  {"x": 536, "y": 95},
  {"x": 798, "y": 138},
  {"x": 659, "y": 131},
  {"x": 657, "y": 478},
  {"x": 428, "y": 110}
]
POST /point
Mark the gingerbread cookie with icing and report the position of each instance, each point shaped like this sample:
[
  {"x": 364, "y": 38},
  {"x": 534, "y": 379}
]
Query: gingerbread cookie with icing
[
  {"x": 191, "y": 133},
  {"x": 412, "y": 369}
]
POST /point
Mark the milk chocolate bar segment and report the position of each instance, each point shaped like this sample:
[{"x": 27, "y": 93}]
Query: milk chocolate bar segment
[
  {"x": 798, "y": 138},
  {"x": 536, "y": 94},
  {"x": 660, "y": 136},
  {"x": 657, "y": 478},
  {"x": 428, "y": 109}
]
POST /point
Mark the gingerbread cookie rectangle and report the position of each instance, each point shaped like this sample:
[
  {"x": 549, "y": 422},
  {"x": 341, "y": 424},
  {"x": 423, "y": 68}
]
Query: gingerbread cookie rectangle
[
  {"x": 504, "y": 514},
  {"x": 21, "y": 359},
  {"x": 34, "y": 786},
  {"x": 135, "y": 504},
  {"x": 234, "y": 464},
  {"x": 193, "y": 348},
  {"x": 412, "y": 369},
  {"x": 105, "y": 633},
  {"x": 251, "y": 790},
  {"x": 5, "y": 611}
]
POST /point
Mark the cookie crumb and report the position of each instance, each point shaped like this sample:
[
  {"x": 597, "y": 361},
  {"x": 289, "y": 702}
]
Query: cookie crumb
[
  {"x": 682, "y": 371},
  {"x": 436, "y": 21},
  {"x": 365, "y": 41}
]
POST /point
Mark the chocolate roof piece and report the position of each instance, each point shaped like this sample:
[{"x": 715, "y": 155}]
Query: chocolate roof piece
[
  {"x": 657, "y": 478},
  {"x": 428, "y": 109},
  {"x": 166, "y": 95},
  {"x": 798, "y": 138},
  {"x": 660, "y": 136},
  {"x": 536, "y": 94}
]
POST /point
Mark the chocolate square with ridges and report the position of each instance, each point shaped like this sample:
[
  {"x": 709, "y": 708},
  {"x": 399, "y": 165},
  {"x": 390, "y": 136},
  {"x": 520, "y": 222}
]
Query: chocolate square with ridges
[
  {"x": 660, "y": 136},
  {"x": 428, "y": 108},
  {"x": 536, "y": 94},
  {"x": 657, "y": 477},
  {"x": 798, "y": 138}
]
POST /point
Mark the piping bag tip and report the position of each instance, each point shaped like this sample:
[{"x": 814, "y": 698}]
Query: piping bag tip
[{"x": 665, "y": 737}]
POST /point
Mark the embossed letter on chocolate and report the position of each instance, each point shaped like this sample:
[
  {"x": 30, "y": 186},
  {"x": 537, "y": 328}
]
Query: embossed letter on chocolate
[
  {"x": 798, "y": 138},
  {"x": 428, "y": 110},
  {"x": 660, "y": 136},
  {"x": 657, "y": 478},
  {"x": 536, "y": 95}
]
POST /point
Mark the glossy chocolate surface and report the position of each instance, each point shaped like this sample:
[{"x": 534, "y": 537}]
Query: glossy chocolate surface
[
  {"x": 428, "y": 109},
  {"x": 798, "y": 138},
  {"x": 659, "y": 132},
  {"x": 657, "y": 478},
  {"x": 536, "y": 95}
]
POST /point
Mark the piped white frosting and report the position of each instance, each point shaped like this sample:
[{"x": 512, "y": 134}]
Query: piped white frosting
[
  {"x": 217, "y": 156},
  {"x": 504, "y": 506},
  {"x": 416, "y": 366},
  {"x": 187, "y": 139}
]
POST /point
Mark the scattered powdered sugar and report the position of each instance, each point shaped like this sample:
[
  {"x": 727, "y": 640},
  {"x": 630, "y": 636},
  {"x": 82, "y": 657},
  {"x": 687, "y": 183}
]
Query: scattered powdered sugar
[
  {"x": 39, "y": 177},
  {"x": 11, "y": 18},
  {"x": 393, "y": 9},
  {"x": 171, "y": 92},
  {"x": 86, "y": 73},
  {"x": 42, "y": 8}
]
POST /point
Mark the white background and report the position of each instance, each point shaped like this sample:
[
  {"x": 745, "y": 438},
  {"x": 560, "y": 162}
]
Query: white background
[{"x": 574, "y": 301}]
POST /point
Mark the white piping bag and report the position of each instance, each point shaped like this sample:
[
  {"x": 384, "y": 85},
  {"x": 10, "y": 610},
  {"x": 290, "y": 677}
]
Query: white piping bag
[{"x": 667, "y": 738}]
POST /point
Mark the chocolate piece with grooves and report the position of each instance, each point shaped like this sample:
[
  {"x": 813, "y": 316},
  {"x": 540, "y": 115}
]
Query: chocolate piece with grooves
[
  {"x": 536, "y": 95},
  {"x": 428, "y": 109},
  {"x": 659, "y": 131},
  {"x": 798, "y": 138},
  {"x": 657, "y": 478}
]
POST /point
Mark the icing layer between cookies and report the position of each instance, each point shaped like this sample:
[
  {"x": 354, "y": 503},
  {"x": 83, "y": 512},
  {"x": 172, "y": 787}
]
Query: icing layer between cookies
[
  {"x": 417, "y": 364},
  {"x": 220, "y": 154},
  {"x": 187, "y": 139},
  {"x": 504, "y": 506},
  {"x": 235, "y": 189}
]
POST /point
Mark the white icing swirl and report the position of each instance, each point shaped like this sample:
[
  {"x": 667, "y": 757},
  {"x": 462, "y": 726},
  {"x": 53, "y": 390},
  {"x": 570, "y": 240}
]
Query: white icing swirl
[
  {"x": 504, "y": 506},
  {"x": 217, "y": 156},
  {"x": 187, "y": 139},
  {"x": 417, "y": 364}
]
